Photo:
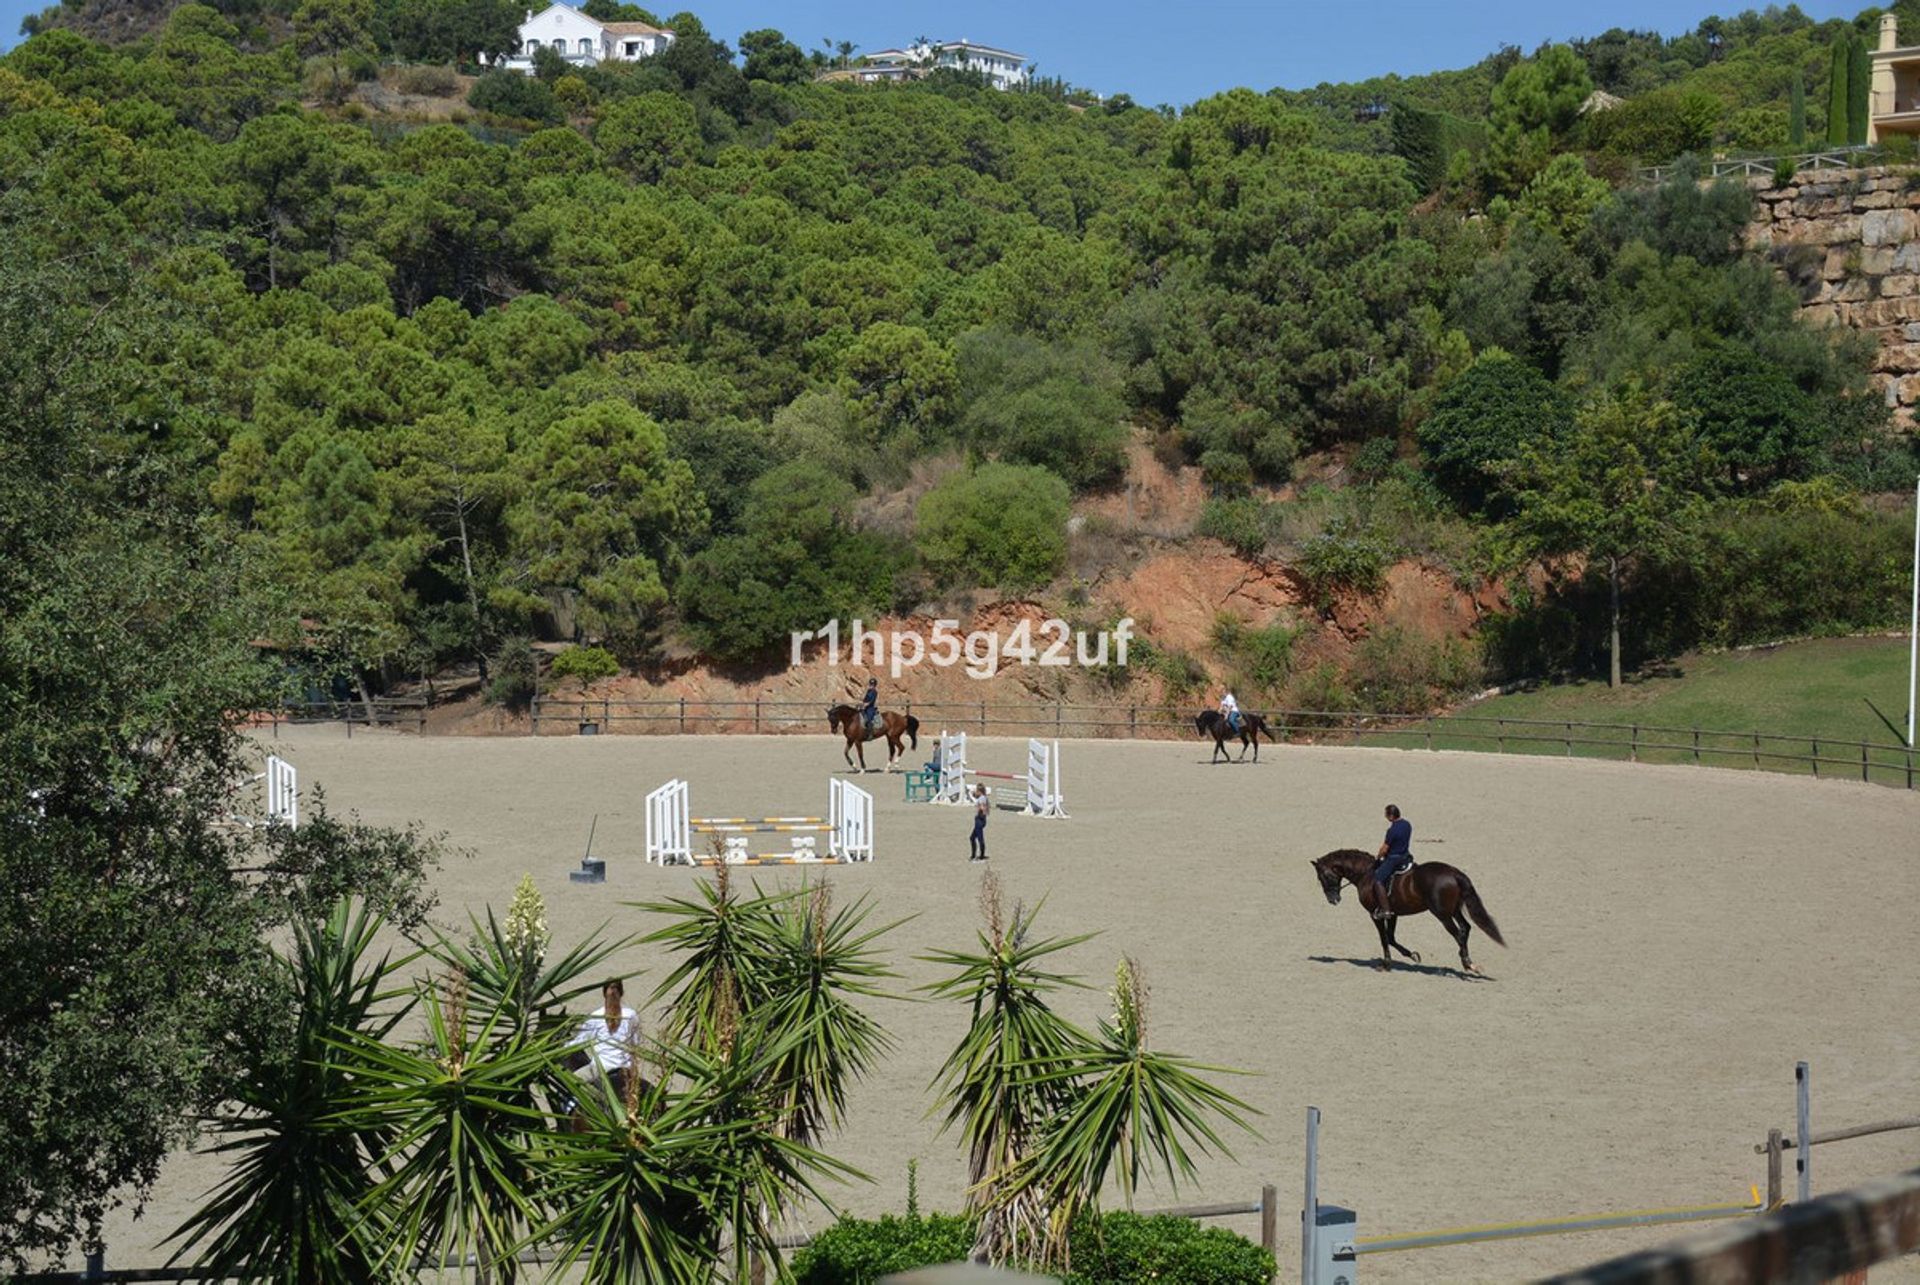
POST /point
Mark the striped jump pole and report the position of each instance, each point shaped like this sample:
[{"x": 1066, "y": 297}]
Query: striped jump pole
[{"x": 848, "y": 825}]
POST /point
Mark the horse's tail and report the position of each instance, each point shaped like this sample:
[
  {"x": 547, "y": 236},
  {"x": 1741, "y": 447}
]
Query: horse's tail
[
  {"x": 1478, "y": 909},
  {"x": 913, "y": 731}
]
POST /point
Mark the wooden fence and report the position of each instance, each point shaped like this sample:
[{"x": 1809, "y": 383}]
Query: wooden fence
[
  {"x": 1831, "y": 158},
  {"x": 1885, "y": 764}
]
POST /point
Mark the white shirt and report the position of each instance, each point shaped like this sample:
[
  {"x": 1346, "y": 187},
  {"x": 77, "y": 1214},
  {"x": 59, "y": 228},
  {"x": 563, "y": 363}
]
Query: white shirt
[
  {"x": 611, "y": 1049},
  {"x": 1227, "y": 703}
]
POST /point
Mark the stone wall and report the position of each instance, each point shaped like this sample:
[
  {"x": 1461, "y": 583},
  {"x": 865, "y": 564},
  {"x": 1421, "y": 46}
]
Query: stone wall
[{"x": 1850, "y": 241}]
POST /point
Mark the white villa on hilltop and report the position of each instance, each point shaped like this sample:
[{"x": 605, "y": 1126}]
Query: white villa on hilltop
[
  {"x": 1002, "y": 69},
  {"x": 584, "y": 41}
]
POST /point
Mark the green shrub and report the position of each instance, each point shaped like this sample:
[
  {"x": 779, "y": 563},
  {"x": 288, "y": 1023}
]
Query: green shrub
[
  {"x": 1118, "y": 1249},
  {"x": 1226, "y": 472},
  {"x": 426, "y": 79},
  {"x": 857, "y": 1252},
  {"x": 1030, "y": 402},
  {"x": 1397, "y": 671},
  {"x": 511, "y": 674},
  {"x": 1487, "y": 417},
  {"x": 1242, "y": 524},
  {"x": 1002, "y": 525},
  {"x": 508, "y": 93},
  {"x": 1124, "y": 1248},
  {"x": 1181, "y": 673},
  {"x": 1266, "y": 657},
  {"x": 1343, "y": 557},
  {"x": 1375, "y": 456},
  {"x": 585, "y": 665},
  {"x": 1319, "y": 689}
]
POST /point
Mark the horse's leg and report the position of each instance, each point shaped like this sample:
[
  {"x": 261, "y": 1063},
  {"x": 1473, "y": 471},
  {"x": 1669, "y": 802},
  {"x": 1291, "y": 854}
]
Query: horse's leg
[
  {"x": 1380, "y": 926},
  {"x": 847, "y": 753},
  {"x": 1243, "y": 748},
  {"x": 1392, "y": 925},
  {"x": 1256, "y": 743}
]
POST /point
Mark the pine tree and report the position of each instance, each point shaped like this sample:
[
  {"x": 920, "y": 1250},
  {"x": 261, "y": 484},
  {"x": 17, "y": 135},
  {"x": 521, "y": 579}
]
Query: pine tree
[
  {"x": 1859, "y": 79},
  {"x": 1797, "y": 114},
  {"x": 1837, "y": 98}
]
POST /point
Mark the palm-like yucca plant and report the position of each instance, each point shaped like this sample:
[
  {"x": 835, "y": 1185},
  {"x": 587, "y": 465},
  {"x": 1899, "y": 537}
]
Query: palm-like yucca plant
[
  {"x": 761, "y": 1013},
  {"x": 1133, "y": 1111},
  {"x": 1050, "y": 1112},
  {"x": 458, "y": 1115},
  {"x": 1002, "y": 1081},
  {"x": 630, "y": 1187},
  {"x": 726, "y": 946},
  {"x": 508, "y": 970},
  {"x": 289, "y": 1208},
  {"x": 825, "y": 958}
]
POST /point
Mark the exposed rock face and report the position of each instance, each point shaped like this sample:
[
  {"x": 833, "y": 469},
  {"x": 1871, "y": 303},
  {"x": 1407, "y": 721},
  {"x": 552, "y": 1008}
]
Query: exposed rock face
[{"x": 1850, "y": 241}]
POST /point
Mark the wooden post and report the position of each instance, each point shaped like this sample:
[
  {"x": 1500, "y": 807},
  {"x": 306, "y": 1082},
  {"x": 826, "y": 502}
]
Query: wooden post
[
  {"x": 1816, "y": 756},
  {"x": 1696, "y": 747},
  {"x": 96, "y": 1264},
  {"x": 1500, "y": 730},
  {"x": 1803, "y": 1132},
  {"x": 1774, "y": 1195},
  {"x": 1569, "y": 740},
  {"x": 1863, "y": 760},
  {"x": 683, "y": 713},
  {"x": 1756, "y": 749},
  {"x": 983, "y": 718},
  {"x": 1133, "y": 727},
  {"x": 1633, "y": 753},
  {"x": 1269, "y": 1218},
  {"x": 756, "y": 715},
  {"x": 606, "y": 713}
]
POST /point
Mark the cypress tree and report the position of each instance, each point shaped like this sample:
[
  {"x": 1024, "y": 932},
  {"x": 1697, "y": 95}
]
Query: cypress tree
[
  {"x": 1797, "y": 115},
  {"x": 1859, "y": 80},
  {"x": 1837, "y": 94}
]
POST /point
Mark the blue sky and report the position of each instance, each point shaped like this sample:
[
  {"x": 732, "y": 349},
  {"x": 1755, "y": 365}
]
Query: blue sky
[{"x": 1175, "y": 54}]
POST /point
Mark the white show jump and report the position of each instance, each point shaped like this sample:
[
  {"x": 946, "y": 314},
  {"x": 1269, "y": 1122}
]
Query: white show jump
[
  {"x": 283, "y": 792},
  {"x": 1044, "y": 795},
  {"x": 848, "y": 826}
]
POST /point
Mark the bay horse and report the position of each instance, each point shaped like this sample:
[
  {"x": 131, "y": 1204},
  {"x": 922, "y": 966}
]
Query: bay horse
[
  {"x": 1429, "y": 887},
  {"x": 846, "y": 720},
  {"x": 1252, "y": 727}
]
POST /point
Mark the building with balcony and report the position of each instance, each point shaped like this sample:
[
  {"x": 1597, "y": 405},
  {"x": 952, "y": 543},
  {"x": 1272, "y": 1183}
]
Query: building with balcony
[
  {"x": 1894, "y": 106},
  {"x": 1003, "y": 70}
]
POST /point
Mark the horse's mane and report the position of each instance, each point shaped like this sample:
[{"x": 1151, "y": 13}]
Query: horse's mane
[{"x": 1346, "y": 856}]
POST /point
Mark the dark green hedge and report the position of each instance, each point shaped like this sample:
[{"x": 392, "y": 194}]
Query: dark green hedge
[
  {"x": 1119, "y": 1249},
  {"x": 1426, "y": 141}
]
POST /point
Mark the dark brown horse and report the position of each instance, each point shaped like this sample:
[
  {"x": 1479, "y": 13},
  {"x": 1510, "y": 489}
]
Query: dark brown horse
[
  {"x": 846, "y": 720},
  {"x": 1252, "y": 727},
  {"x": 1429, "y": 887}
]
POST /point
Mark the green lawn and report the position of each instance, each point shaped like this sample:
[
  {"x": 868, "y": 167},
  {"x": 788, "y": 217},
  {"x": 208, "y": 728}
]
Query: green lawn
[{"x": 1802, "y": 693}]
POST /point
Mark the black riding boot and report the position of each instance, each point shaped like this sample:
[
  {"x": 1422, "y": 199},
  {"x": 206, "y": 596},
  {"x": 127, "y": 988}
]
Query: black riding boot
[{"x": 1383, "y": 907}]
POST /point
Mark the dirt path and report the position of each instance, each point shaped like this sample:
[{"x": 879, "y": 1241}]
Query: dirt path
[{"x": 1633, "y": 1043}]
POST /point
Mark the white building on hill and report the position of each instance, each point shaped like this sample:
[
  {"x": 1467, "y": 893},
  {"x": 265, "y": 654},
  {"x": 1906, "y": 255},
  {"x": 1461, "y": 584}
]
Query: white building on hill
[
  {"x": 1002, "y": 69},
  {"x": 584, "y": 41}
]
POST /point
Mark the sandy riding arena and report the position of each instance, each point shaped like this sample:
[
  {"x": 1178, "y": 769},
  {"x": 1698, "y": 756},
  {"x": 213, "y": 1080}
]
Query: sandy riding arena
[{"x": 1679, "y": 937}]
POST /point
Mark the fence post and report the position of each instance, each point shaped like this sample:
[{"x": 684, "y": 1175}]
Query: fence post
[
  {"x": 1696, "y": 747},
  {"x": 1774, "y": 1194},
  {"x": 1816, "y": 756},
  {"x": 983, "y": 718},
  {"x": 533, "y": 710},
  {"x": 1756, "y": 749},
  {"x": 96, "y": 1264},
  {"x": 1803, "y": 1131},
  {"x": 1500, "y": 730},
  {"x": 1269, "y": 1218},
  {"x": 756, "y": 716},
  {"x": 1863, "y": 760},
  {"x": 683, "y": 713},
  {"x": 1310, "y": 1206},
  {"x": 1056, "y": 718},
  {"x": 1133, "y": 728},
  {"x": 1569, "y": 740},
  {"x": 606, "y": 713},
  {"x": 1633, "y": 753}
]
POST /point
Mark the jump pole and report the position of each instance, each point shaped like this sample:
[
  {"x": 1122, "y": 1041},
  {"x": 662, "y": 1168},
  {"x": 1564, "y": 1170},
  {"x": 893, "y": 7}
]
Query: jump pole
[{"x": 848, "y": 825}]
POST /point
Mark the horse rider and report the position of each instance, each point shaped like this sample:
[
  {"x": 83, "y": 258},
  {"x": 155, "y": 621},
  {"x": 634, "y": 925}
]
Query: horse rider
[
  {"x": 1393, "y": 858},
  {"x": 1230, "y": 710},
  {"x": 870, "y": 706}
]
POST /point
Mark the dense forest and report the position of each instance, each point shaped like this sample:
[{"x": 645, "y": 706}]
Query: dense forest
[
  {"x": 634, "y": 354},
  {"x": 317, "y": 339}
]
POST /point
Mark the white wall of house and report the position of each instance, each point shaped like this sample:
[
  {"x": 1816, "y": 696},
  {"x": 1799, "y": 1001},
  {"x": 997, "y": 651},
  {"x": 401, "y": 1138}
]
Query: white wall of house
[{"x": 581, "y": 40}]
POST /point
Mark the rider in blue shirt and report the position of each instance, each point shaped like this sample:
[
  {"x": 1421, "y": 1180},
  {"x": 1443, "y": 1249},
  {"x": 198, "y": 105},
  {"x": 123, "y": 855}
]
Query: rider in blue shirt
[
  {"x": 870, "y": 705},
  {"x": 1393, "y": 856}
]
